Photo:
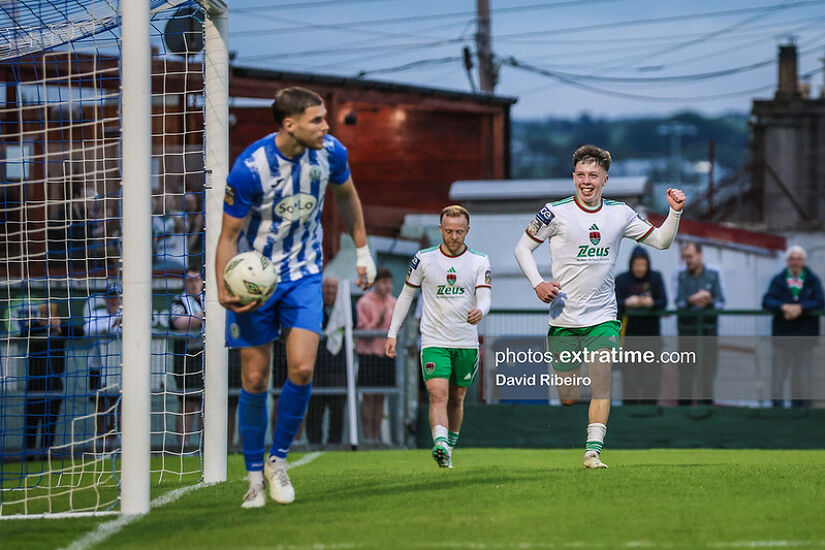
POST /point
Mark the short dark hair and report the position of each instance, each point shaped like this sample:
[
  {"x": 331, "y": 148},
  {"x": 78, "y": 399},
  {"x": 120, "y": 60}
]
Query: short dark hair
[
  {"x": 454, "y": 211},
  {"x": 591, "y": 153},
  {"x": 293, "y": 101},
  {"x": 697, "y": 246},
  {"x": 383, "y": 274}
]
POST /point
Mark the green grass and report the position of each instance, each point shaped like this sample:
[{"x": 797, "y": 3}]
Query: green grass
[{"x": 494, "y": 498}]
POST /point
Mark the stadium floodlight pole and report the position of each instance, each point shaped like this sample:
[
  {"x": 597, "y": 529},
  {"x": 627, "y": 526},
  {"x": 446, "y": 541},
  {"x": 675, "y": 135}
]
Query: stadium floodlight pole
[
  {"x": 136, "y": 155},
  {"x": 216, "y": 162},
  {"x": 348, "y": 347}
]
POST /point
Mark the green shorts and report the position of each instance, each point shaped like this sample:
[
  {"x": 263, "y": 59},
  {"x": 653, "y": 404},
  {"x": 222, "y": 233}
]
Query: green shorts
[
  {"x": 602, "y": 336},
  {"x": 458, "y": 365}
]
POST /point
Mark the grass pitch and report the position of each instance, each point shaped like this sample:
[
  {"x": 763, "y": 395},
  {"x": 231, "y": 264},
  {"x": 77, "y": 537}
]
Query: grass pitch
[{"x": 494, "y": 498}]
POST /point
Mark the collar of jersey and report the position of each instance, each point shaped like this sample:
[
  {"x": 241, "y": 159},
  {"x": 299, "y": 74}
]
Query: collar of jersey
[
  {"x": 466, "y": 248},
  {"x": 585, "y": 208},
  {"x": 283, "y": 156}
]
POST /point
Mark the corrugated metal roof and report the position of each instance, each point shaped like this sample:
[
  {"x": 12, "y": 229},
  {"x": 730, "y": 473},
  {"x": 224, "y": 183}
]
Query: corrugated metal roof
[{"x": 480, "y": 190}]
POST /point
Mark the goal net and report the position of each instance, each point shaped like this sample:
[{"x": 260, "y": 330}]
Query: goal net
[{"x": 61, "y": 252}]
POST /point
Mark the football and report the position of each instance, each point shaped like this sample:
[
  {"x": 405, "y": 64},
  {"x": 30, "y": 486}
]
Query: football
[{"x": 250, "y": 276}]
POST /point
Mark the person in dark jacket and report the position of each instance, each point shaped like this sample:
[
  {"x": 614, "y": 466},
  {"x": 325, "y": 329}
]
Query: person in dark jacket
[
  {"x": 792, "y": 295},
  {"x": 48, "y": 336},
  {"x": 640, "y": 288}
]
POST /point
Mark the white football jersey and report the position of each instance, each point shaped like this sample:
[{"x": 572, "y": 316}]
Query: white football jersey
[
  {"x": 584, "y": 244},
  {"x": 448, "y": 286}
]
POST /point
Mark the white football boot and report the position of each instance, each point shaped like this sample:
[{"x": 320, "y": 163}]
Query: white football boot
[
  {"x": 592, "y": 461},
  {"x": 255, "y": 497},
  {"x": 280, "y": 487}
]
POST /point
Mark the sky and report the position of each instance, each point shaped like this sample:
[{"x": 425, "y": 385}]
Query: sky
[{"x": 611, "y": 58}]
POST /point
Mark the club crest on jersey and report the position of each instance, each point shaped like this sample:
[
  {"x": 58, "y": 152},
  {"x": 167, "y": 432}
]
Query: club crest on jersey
[
  {"x": 315, "y": 173},
  {"x": 429, "y": 367},
  {"x": 295, "y": 207},
  {"x": 451, "y": 276},
  {"x": 595, "y": 236}
]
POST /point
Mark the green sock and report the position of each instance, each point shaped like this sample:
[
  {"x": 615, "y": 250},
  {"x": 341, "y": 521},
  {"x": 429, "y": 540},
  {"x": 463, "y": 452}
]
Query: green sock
[{"x": 452, "y": 439}]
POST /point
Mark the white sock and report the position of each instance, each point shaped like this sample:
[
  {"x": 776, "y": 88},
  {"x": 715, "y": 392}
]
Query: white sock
[
  {"x": 595, "y": 438},
  {"x": 439, "y": 432},
  {"x": 255, "y": 478}
]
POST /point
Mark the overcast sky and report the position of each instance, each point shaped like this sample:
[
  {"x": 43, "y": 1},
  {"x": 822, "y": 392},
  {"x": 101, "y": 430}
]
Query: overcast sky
[{"x": 605, "y": 57}]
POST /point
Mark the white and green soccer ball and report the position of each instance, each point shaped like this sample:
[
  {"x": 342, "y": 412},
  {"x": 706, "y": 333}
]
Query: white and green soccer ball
[{"x": 251, "y": 276}]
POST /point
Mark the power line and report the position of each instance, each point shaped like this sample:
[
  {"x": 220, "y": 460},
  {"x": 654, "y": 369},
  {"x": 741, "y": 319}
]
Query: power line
[
  {"x": 299, "y": 5},
  {"x": 408, "y": 66},
  {"x": 639, "y": 97},
  {"x": 370, "y": 23},
  {"x": 338, "y": 51},
  {"x": 664, "y": 19}
]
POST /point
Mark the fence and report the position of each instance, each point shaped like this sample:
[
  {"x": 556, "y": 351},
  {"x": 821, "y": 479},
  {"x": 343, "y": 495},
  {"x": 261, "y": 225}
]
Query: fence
[{"x": 742, "y": 365}]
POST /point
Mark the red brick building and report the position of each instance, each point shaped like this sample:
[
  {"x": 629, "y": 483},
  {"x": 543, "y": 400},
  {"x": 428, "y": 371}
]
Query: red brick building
[{"x": 406, "y": 144}]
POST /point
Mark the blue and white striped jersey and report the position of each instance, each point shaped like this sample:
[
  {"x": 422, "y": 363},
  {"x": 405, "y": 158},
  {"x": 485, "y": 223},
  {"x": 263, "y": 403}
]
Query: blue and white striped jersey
[{"x": 283, "y": 198}]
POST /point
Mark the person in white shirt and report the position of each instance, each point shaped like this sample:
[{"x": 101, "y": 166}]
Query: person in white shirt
[
  {"x": 584, "y": 232},
  {"x": 103, "y": 321},
  {"x": 455, "y": 284}
]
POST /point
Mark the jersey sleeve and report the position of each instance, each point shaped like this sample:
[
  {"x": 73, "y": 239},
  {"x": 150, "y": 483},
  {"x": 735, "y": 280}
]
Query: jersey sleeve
[
  {"x": 484, "y": 277},
  {"x": 242, "y": 184},
  {"x": 339, "y": 171},
  {"x": 542, "y": 227},
  {"x": 636, "y": 227},
  {"x": 415, "y": 273}
]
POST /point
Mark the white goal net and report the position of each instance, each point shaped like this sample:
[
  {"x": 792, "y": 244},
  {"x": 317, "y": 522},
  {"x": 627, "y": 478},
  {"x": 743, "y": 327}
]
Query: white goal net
[{"x": 61, "y": 252}]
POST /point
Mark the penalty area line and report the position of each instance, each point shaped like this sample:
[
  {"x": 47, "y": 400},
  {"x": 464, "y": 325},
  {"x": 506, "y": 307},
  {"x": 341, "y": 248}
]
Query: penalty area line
[{"x": 106, "y": 530}]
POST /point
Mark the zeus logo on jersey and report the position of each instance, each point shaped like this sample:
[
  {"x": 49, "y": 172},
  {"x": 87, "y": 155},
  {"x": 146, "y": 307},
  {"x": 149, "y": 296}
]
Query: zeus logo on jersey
[
  {"x": 447, "y": 290},
  {"x": 296, "y": 207},
  {"x": 592, "y": 251}
]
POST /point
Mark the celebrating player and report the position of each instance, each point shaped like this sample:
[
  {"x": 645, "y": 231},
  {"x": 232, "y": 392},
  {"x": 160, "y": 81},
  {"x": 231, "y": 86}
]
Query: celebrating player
[
  {"x": 455, "y": 285},
  {"x": 273, "y": 202},
  {"x": 584, "y": 233}
]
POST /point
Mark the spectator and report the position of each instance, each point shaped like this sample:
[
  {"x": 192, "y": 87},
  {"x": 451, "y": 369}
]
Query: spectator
[
  {"x": 193, "y": 220},
  {"x": 48, "y": 336},
  {"x": 330, "y": 370},
  {"x": 640, "y": 288},
  {"x": 78, "y": 234},
  {"x": 187, "y": 315},
  {"x": 791, "y": 295},
  {"x": 374, "y": 369},
  {"x": 104, "y": 323},
  {"x": 168, "y": 234},
  {"x": 698, "y": 288}
]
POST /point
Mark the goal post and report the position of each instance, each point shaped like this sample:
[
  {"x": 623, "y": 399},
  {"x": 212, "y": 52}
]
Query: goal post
[
  {"x": 216, "y": 113},
  {"x": 136, "y": 109}
]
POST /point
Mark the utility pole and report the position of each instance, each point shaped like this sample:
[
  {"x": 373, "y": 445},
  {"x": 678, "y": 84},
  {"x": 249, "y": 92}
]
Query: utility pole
[{"x": 486, "y": 69}]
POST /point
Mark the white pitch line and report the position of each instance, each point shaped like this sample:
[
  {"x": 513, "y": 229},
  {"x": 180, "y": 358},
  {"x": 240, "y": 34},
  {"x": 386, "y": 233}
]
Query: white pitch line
[{"x": 106, "y": 530}]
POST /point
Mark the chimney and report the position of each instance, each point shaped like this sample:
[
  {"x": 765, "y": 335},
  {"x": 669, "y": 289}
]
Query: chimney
[{"x": 788, "y": 85}]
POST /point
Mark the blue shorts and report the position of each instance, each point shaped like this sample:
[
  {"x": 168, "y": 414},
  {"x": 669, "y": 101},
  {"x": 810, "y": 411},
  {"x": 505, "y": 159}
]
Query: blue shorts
[{"x": 295, "y": 304}]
